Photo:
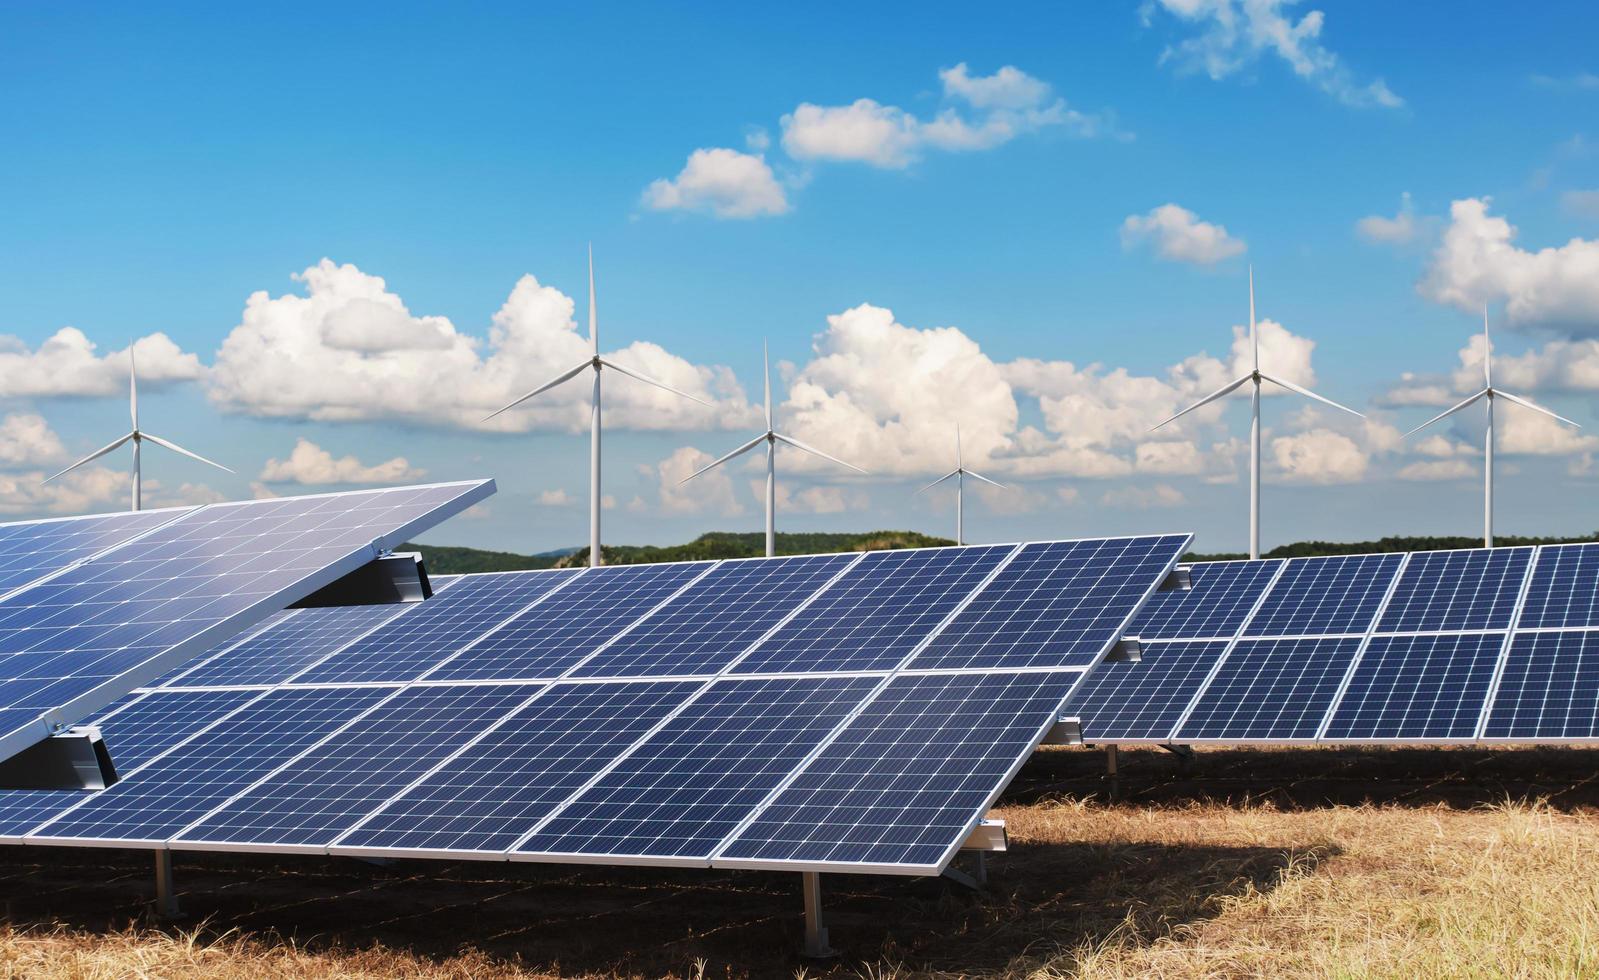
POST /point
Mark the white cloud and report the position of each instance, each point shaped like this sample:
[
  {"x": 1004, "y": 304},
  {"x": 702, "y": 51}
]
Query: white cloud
[
  {"x": 710, "y": 492},
  {"x": 1235, "y": 34},
  {"x": 1402, "y": 229},
  {"x": 1556, "y": 288},
  {"x": 1583, "y": 204},
  {"x": 311, "y": 465},
  {"x": 813, "y": 500},
  {"x": 1319, "y": 456},
  {"x": 27, "y": 440},
  {"x": 865, "y": 131},
  {"x": 1520, "y": 431},
  {"x": 66, "y": 364},
  {"x": 92, "y": 489},
  {"x": 556, "y": 498},
  {"x": 349, "y": 350},
  {"x": 1437, "y": 469},
  {"x": 727, "y": 183},
  {"x": 1143, "y": 498},
  {"x": 1179, "y": 236}
]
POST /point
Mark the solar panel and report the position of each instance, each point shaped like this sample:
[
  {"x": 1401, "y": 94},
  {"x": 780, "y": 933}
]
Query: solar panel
[
  {"x": 717, "y": 618},
  {"x": 1271, "y": 690},
  {"x": 1222, "y": 596},
  {"x": 553, "y": 636},
  {"x": 497, "y": 789},
  {"x": 1418, "y": 687},
  {"x": 1564, "y": 589},
  {"x": 92, "y": 633},
  {"x": 29, "y": 550},
  {"x": 317, "y": 796},
  {"x": 1143, "y": 700},
  {"x": 1549, "y": 689},
  {"x": 901, "y": 786},
  {"x": 1317, "y": 596},
  {"x": 1054, "y": 605},
  {"x": 1448, "y": 591},
  {"x": 689, "y": 785},
  {"x": 877, "y": 612}
]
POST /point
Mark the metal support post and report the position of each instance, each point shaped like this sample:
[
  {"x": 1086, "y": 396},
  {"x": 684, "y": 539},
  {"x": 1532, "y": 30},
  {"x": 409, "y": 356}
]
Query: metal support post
[
  {"x": 1111, "y": 773},
  {"x": 1185, "y": 757},
  {"x": 815, "y": 934},
  {"x": 166, "y": 900}
]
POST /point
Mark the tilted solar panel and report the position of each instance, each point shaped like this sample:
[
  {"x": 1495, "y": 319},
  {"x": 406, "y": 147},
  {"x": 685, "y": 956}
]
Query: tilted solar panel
[
  {"x": 1319, "y": 596},
  {"x": 1449, "y": 591},
  {"x": 1271, "y": 691},
  {"x": 1417, "y": 687},
  {"x": 1143, "y": 700},
  {"x": 1222, "y": 596},
  {"x": 1549, "y": 690},
  {"x": 1565, "y": 588},
  {"x": 30, "y": 550}
]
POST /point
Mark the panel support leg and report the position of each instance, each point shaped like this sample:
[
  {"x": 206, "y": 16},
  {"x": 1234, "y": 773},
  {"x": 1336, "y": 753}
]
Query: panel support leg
[
  {"x": 1111, "y": 774},
  {"x": 1185, "y": 757},
  {"x": 815, "y": 934},
  {"x": 166, "y": 899}
]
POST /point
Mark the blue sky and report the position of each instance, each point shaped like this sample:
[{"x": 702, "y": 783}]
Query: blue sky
[{"x": 1088, "y": 190}]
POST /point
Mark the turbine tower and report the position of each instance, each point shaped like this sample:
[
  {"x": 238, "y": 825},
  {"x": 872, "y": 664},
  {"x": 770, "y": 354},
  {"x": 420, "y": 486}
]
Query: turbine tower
[
  {"x": 771, "y": 437},
  {"x": 1254, "y": 379},
  {"x": 960, "y": 473},
  {"x": 137, "y": 436},
  {"x": 1487, "y": 396},
  {"x": 594, "y": 363}
]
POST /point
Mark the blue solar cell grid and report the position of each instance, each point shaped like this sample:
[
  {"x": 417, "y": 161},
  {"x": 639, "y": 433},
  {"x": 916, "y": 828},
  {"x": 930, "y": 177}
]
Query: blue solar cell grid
[
  {"x": 32, "y": 549},
  {"x": 1549, "y": 689},
  {"x": 1325, "y": 596},
  {"x": 1446, "y": 591},
  {"x": 490, "y": 795},
  {"x": 292, "y": 641},
  {"x": 688, "y": 786},
  {"x": 909, "y": 776},
  {"x": 1054, "y": 605},
  {"x": 1418, "y": 687},
  {"x": 1223, "y": 593},
  {"x": 877, "y": 612},
  {"x": 1565, "y": 588},
  {"x": 1143, "y": 700},
  {"x": 320, "y": 795},
  {"x": 1271, "y": 690},
  {"x": 717, "y": 618},
  {"x": 571, "y": 624}
]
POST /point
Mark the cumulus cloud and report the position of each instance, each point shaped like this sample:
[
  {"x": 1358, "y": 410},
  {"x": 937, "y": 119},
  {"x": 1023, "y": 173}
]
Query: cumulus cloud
[
  {"x": 312, "y": 465},
  {"x": 349, "y": 350},
  {"x": 814, "y": 500},
  {"x": 1135, "y": 497},
  {"x": 1319, "y": 456},
  {"x": 1554, "y": 289},
  {"x": 27, "y": 440},
  {"x": 1437, "y": 469},
  {"x": 710, "y": 492},
  {"x": 556, "y": 498},
  {"x": 1178, "y": 235},
  {"x": 724, "y": 182},
  {"x": 66, "y": 365},
  {"x": 1402, "y": 229},
  {"x": 1232, "y": 35},
  {"x": 92, "y": 489}
]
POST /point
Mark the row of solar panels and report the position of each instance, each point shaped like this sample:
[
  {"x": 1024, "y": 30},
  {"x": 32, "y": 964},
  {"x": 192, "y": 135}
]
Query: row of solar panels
[
  {"x": 1446, "y": 647},
  {"x": 836, "y": 712}
]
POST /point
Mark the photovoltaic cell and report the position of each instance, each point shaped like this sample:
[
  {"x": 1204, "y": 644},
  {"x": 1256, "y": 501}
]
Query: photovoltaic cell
[
  {"x": 335, "y": 784},
  {"x": 877, "y": 612},
  {"x": 30, "y": 550},
  {"x": 1054, "y": 605},
  {"x": 1325, "y": 595},
  {"x": 501, "y": 786},
  {"x": 1223, "y": 593},
  {"x": 1564, "y": 589},
  {"x": 425, "y": 636},
  {"x": 292, "y": 641},
  {"x": 1271, "y": 690},
  {"x": 181, "y": 786},
  {"x": 717, "y": 618},
  {"x": 554, "y": 635},
  {"x": 1421, "y": 687},
  {"x": 687, "y": 787},
  {"x": 1549, "y": 689},
  {"x": 910, "y": 776},
  {"x": 1457, "y": 590},
  {"x": 1143, "y": 700}
]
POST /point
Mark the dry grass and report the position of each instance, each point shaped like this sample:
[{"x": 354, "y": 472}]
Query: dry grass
[{"x": 1399, "y": 863}]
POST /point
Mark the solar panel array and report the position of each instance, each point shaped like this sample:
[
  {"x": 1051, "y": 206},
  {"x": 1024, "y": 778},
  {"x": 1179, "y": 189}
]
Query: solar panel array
[
  {"x": 829, "y": 712},
  {"x": 1451, "y": 646},
  {"x": 116, "y": 600}
]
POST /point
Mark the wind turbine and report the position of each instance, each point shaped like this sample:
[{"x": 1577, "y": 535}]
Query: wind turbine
[
  {"x": 1487, "y": 395},
  {"x": 771, "y": 437},
  {"x": 137, "y": 436},
  {"x": 960, "y": 473},
  {"x": 594, "y": 362},
  {"x": 1254, "y": 378}
]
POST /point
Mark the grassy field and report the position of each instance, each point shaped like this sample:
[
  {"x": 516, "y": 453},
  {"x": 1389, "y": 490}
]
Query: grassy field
[{"x": 1316, "y": 862}]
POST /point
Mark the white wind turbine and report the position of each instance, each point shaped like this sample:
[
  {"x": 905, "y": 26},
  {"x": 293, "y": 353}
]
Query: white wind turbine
[
  {"x": 594, "y": 362},
  {"x": 1254, "y": 378},
  {"x": 960, "y": 473},
  {"x": 771, "y": 437},
  {"x": 1487, "y": 395},
  {"x": 137, "y": 436}
]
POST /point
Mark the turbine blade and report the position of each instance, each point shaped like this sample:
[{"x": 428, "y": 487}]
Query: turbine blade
[
  {"x": 766, "y": 382},
  {"x": 1446, "y": 413},
  {"x": 594, "y": 320},
  {"x": 959, "y": 463},
  {"x": 133, "y": 388},
  {"x": 978, "y": 476},
  {"x": 815, "y": 452},
  {"x": 1221, "y": 392},
  {"x": 718, "y": 462},
  {"x": 651, "y": 381},
  {"x": 1524, "y": 403},
  {"x": 541, "y": 389},
  {"x": 1254, "y": 341},
  {"x": 1488, "y": 352},
  {"x": 89, "y": 458},
  {"x": 936, "y": 483},
  {"x": 179, "y": 449},
  {"x": 1310, "y": 394}
]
